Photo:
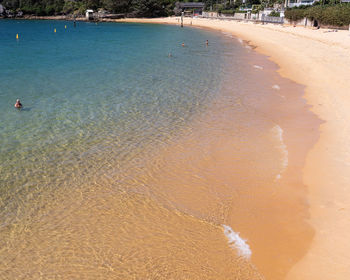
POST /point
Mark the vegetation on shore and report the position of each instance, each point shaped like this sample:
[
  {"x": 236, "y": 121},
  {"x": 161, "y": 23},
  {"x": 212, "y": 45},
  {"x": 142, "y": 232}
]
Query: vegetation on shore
[
  {"x": 135, "y": 8},
  {"x": 144, "y": 8},
  {"x": 334, "y": 15},
  {"x": 325, "y": 12}
]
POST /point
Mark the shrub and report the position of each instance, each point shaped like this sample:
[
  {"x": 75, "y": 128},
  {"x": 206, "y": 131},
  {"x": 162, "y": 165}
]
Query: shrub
[
  {"x": 335, "y": 15},
  {"x": 228, "y": 12},
  {"x": 274, "y": 14},
  {"x": 294, "y": 14},
  {"x": 218, "y": 7},
  {"x": 257, "y": 8}
]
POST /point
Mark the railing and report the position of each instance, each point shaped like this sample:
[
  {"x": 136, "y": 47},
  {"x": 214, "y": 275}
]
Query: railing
[
  {"x": 268, "y": 19},
  {"x": 247, "y": 17}
]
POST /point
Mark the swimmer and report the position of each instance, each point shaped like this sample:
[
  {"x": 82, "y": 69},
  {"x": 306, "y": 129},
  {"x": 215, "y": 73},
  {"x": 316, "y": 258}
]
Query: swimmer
[
  {"x": 18, "y": 104},
  {"x": 207, "y": 42},
  {"x": 169, "y": 55},
  {"x": 183, "y": 44}
]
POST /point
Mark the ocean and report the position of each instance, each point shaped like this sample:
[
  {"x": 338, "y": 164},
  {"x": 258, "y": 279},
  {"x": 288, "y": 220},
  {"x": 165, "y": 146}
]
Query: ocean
[{"x": 135, "y": 157}]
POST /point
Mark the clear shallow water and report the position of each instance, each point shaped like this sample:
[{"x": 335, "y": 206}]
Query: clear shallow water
[
  {"x": 126, "y": 163},
  {"x": 95, "y": 90}
]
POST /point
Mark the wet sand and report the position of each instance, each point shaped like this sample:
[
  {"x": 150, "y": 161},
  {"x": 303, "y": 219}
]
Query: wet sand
[{"x": 319, "y": 60}]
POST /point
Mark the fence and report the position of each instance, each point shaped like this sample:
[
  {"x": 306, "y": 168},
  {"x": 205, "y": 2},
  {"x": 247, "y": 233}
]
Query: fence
[
  {"x": 245, "y": 16},
  {"x": 268, "y": 19}
]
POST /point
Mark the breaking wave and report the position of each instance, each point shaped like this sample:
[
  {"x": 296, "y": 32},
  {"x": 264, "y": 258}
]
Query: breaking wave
[
  {"x": 236, "y": 242},
  {"x": 279, "y": 133}
]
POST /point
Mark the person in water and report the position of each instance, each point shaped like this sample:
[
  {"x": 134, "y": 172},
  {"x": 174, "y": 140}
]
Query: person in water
[
  {"x": 183, "y": 44},
  {"x": 207, "y": 42},
  {"x": 18, "y": 104}
]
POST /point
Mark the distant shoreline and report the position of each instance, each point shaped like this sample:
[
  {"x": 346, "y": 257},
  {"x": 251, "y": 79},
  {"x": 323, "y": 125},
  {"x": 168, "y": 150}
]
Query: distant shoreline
[{"x": 30, "y": 17}]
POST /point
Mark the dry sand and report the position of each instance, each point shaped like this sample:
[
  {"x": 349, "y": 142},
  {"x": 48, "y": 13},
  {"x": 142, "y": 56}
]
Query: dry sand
[{"x": 320, "y": 60}]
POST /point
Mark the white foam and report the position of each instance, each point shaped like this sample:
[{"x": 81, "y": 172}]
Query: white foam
[
  {"x": 258, "y": 67},
  {"x": 227, "y": 34},
  {"x": 277, "y": 87},
  {"x": 236, "y": 242},
  {"x": 283, "y": 148},
  {"x": 240, "y": 40}
]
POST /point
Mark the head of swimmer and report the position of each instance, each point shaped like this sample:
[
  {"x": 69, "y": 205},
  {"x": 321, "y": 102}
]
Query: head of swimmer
[{"x": 18, "y": 104}]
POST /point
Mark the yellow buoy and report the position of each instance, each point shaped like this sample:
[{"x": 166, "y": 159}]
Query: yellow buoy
[
  {"x": 17, "y": 36},
  {"x": 54, "y": 30}
]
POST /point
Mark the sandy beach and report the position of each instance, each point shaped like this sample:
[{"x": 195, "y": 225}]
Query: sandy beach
[
  {"x": 318, "y": 59},
  {"x": 241, "y": 172}
]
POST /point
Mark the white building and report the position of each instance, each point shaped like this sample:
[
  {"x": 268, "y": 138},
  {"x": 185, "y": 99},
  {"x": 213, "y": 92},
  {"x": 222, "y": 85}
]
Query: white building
[
  {"x": 89, "y": 14},
  {"x": 297, "y": 3}
]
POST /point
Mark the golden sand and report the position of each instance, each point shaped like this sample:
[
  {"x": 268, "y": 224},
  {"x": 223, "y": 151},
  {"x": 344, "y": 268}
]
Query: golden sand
[{"x": 320, "y": 60}]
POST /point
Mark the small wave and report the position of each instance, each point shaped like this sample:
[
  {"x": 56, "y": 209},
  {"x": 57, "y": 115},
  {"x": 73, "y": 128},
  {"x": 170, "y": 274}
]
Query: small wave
[
  {"x": 236, "y": 242},
  {"x": 258, "y": 67},
  {"x": 279, "y": 132},
  {"x": 277, "y": 87},
  {"x": 227, "y": 34}
]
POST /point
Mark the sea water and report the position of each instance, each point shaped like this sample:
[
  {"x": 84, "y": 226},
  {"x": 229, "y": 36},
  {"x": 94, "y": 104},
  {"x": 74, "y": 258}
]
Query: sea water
[{"x": 133, "y": 157}]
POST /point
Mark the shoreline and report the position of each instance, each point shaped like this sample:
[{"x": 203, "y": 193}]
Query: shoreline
[
  {"x": 28, "y": 17},
  {"x": 200, "y": 167},
  {"x": 319, "y": 60}
]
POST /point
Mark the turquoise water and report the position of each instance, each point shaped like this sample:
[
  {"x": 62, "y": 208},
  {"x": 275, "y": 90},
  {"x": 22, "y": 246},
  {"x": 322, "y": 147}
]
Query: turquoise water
[{"x": 95, "y": 92}]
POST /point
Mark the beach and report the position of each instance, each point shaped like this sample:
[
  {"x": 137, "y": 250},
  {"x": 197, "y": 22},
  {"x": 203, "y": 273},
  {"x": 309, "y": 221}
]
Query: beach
[
  {"x": 318, "y": 59},
  {"x": 240, "y": 173},
  {"x": 136, "y": 169}
]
